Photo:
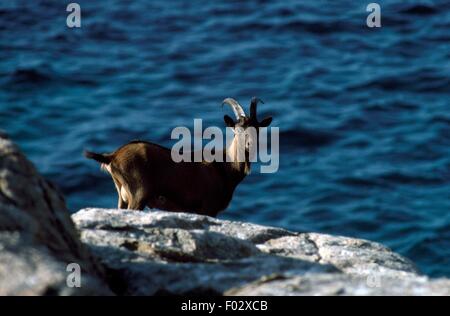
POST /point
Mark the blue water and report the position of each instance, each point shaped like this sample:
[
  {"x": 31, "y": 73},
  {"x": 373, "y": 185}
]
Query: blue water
[{"x": 364, "y": 113}]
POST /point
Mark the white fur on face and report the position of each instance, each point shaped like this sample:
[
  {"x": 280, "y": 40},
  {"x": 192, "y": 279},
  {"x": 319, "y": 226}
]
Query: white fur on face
[
  {"x": 251, "y": 142},
  {"x": 244, "y": 141}
]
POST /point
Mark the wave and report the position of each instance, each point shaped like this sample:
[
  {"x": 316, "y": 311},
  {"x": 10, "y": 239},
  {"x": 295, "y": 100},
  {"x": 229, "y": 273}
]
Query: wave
[
  {"x": 397, "y": 177},
  {"x": 305, "y": 138},
  {"x": 42, "y": 76},
  {"x": 418, "y": 80},
  {"x": 419, "y": 9},
  {"x": 358, "y": 182},
  {"x": 29, "y": 75}
]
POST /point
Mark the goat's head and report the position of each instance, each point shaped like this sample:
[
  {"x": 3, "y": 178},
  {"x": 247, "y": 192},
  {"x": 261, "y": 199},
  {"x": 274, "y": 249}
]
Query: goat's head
[{"x": 245, "y": 128}]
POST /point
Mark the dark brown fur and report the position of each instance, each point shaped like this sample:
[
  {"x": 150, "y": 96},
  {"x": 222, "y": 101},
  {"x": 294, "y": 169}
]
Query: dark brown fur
[
  {"x": 153, "y": 179},
  {"x": 148, "y": 176}
]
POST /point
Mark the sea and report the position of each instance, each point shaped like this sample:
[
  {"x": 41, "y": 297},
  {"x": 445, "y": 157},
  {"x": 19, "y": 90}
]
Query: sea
[{"x": 363, "y": 112}]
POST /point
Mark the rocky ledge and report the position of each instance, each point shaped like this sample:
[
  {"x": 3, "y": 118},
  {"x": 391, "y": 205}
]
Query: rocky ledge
[
  {"x": 155, "y": 253},
  {"x": 38, "y": 239}
]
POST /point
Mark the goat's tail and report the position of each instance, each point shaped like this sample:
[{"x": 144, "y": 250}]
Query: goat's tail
[{"x": 102, "y": 158}]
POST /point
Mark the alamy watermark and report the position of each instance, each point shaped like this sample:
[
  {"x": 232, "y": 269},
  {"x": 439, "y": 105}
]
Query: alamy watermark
[
  {"x": 239, "y": 144},
  {"x": 74, "y": 18},
  {"x": 74, "y": 277},
  {"x": 374, "y": 18}
]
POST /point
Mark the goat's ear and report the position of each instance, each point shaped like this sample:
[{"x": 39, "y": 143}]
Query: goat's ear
[
  {"x": 228, "y": 121},
  {"x": 265, "y": 122}
]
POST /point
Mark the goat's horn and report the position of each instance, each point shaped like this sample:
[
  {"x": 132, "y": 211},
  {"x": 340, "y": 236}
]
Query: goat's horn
[
  {"x": 237, "y": 108},
  {"x": 253, "y": 106}
]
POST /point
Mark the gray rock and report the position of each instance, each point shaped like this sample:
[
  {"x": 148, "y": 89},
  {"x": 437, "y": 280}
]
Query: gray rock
[
  {"x": 154, "y": 252},
  {"x": 37, "y": 236},
  {"x": 344, "y": 284}
]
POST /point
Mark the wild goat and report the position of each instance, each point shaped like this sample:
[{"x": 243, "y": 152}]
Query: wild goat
[{"x": 145, "y": 174}]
